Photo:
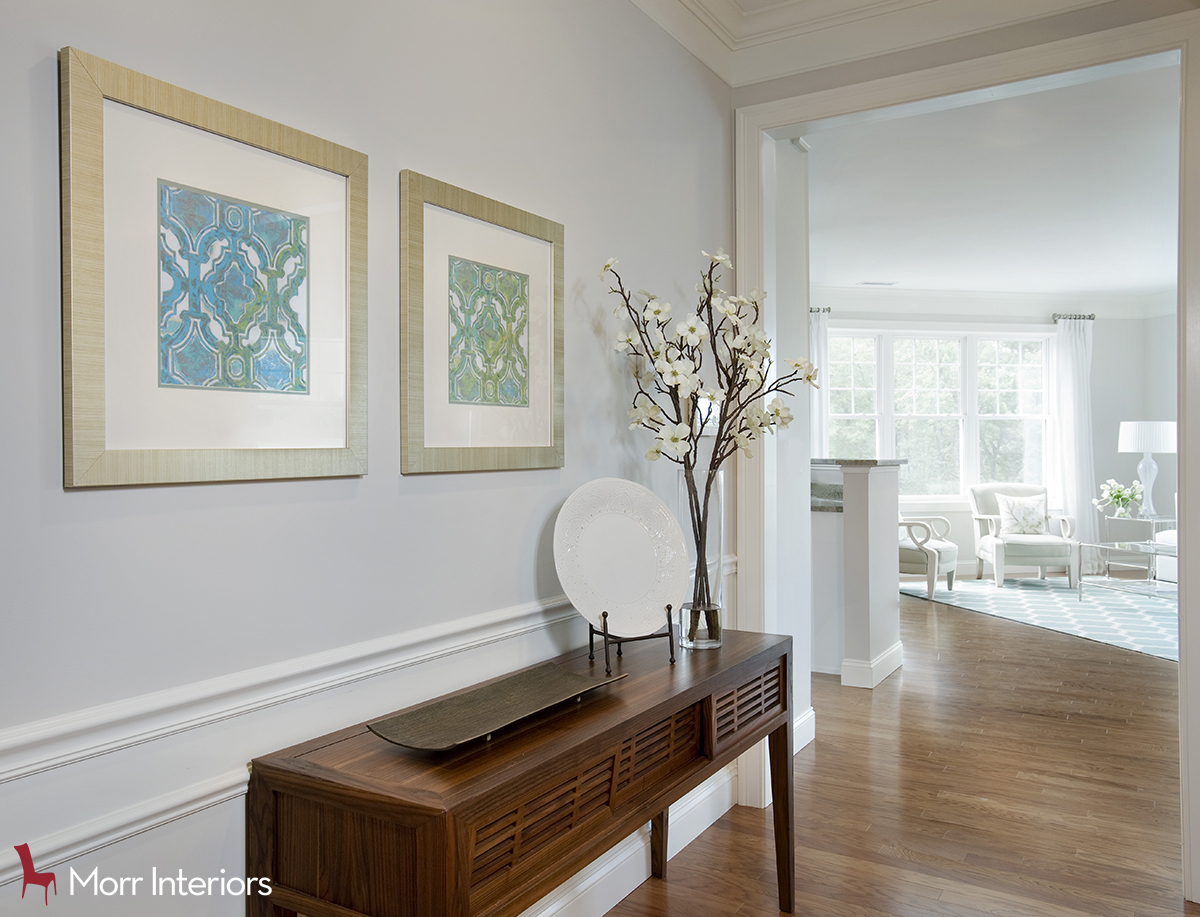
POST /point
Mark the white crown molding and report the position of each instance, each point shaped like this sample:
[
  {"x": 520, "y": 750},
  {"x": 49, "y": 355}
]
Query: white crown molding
[
  {"x": 62, "y": 740},
  {"x": 795, "y": 36},
  {"x": 682, "y": 24},
  {"x": 738, "y": 28}
]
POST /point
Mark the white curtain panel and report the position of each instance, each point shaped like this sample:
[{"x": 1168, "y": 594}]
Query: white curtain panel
[
  {"x": 818, "y": 347},
  {"x": 1072, "y": 417}
]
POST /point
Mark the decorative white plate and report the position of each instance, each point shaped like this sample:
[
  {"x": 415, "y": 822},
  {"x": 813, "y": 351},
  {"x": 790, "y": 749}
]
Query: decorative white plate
[{"x": 618, "y": 548}]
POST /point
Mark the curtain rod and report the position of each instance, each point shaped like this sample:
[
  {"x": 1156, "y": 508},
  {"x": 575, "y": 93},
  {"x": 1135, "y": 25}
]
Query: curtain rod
[
  {"x": 1090, "y": 317},
  {"x": 812, "y": 309}
]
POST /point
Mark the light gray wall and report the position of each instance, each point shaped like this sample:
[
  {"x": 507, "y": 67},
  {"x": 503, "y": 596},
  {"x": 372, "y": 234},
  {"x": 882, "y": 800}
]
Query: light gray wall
[
  {"x": 1118, "y": 392},
  {"x": 1134, "y": 367},
  {"x": 582, "y": 111},
  {"x": 1161, "y": 348}
]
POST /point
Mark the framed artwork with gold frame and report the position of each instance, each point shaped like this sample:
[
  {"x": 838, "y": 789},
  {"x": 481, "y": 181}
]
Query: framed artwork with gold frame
[
  {"x": 214, "y": 288},
  {"x": 481, "y": 332}
]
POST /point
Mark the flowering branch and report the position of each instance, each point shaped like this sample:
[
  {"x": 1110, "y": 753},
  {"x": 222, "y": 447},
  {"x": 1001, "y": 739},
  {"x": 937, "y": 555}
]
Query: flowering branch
[
  {"x": 1118, "y": 495},
  {"x": 707, "y": 372}
]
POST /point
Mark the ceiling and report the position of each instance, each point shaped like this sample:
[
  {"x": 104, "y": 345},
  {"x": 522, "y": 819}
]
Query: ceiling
[
  {"x": 747, "y": 41},
  {"x": 1066, "y": 184}
]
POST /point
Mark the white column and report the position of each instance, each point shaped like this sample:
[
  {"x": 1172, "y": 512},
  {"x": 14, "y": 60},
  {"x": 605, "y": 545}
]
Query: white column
[{"x": 871, "y": 495}]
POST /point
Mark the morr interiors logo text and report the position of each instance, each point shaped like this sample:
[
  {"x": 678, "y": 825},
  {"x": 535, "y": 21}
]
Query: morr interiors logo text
[
  {"x": 155, "y": 884},
  {"x": 167, "y": 885}
]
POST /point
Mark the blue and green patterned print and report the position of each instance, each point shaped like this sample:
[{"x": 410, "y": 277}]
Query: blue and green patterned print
[
  {"x": 233, "y": 302},
  {"x": 489, "y": 317}
]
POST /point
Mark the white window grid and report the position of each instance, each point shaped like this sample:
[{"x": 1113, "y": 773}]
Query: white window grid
[{"x": 968, "y": 414}]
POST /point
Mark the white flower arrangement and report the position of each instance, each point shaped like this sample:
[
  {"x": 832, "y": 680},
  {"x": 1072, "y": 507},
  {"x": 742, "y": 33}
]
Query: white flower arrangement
[
  {"x": 1119, "y": 496},
  {"x": 709, "y": 372}
]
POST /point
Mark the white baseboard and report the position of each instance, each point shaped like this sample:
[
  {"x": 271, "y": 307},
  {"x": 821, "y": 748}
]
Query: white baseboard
[
  {"x": 90, "y": 836},
  {"x": 859, "y": 673},
  {"x": 602, "y": 884},
  {"x": 804, "y": 729},
  {"x": 754, "y": 764}
]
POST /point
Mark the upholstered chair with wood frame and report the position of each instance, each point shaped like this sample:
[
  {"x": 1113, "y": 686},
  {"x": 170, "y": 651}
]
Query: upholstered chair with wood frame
[
  {"x": 1021, "y": 532},
  {"x": 926, "y": 550}
]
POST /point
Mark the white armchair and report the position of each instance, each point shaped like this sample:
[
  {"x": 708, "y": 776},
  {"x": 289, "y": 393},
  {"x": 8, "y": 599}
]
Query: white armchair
[
  {"x": 1054, "y": 547},
  {"x": 925, "y": 549}
]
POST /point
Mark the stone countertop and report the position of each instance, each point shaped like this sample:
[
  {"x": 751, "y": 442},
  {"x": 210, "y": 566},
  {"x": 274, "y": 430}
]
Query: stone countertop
[
  {"x": 820, "y": 506},
  {"x": 826, "y": 498},
  {"x": 833, "y": 461}
]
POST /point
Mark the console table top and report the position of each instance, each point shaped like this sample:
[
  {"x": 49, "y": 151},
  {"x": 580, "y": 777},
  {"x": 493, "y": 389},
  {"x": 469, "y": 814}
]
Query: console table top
[{"x": 357, "y": 760}]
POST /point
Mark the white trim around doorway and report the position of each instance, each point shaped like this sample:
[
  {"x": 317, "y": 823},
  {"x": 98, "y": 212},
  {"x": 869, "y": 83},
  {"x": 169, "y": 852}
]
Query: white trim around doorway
[{"x": 759, "y": 125}]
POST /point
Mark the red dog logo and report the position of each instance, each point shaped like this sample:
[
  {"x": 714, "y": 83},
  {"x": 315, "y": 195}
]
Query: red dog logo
[{"x": 32, "y": 876}]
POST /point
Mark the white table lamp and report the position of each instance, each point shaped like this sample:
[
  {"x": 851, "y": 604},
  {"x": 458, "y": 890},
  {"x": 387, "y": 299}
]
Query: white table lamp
[{"x": 1147, "y": 436}]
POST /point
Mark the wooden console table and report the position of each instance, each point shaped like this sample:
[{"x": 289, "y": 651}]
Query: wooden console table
[{"x": 349, "y": 824}]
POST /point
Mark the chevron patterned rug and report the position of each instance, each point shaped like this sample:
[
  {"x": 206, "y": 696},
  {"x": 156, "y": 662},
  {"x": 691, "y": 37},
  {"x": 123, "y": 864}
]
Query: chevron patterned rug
[{"x": 1143, "y": 623}]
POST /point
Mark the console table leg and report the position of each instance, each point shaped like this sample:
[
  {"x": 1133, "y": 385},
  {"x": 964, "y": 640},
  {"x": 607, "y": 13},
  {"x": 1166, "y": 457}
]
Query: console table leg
[
  {"x": 782, "y": 796},
  {"x": 658, "y": 845}
]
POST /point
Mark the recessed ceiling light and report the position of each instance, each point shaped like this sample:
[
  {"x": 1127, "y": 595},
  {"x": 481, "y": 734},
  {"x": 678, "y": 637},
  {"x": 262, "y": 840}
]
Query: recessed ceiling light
[{"x": 877, "y": 283}]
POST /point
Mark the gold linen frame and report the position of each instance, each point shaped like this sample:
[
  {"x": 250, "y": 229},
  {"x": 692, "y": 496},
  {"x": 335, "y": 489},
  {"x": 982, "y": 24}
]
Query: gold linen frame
[
  {"x": 84, "y": 83},
  {"x": 416, "y": 190}
]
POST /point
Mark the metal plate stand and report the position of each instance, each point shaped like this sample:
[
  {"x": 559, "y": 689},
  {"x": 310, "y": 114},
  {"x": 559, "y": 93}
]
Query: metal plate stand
[{"x": 609, "y": 638}]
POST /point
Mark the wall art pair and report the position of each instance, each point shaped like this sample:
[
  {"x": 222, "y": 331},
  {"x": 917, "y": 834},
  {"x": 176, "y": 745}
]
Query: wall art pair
[{"x": 214, "y": 277}]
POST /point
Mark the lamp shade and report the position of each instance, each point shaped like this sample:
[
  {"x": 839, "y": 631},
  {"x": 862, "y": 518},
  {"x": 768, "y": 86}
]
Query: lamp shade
[{"x": 1146, "y": 436}]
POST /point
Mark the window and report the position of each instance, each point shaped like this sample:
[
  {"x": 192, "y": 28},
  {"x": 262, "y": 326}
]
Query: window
[
  {"x": 853, "y": 422},
  {"x": 1012, "y": 425},
  {"x": 962, "y": 408}
]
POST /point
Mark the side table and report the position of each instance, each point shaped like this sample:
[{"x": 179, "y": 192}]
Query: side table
[
  {"x": 1149, "y": 586},
  {"x": 1157, "y": 524}
]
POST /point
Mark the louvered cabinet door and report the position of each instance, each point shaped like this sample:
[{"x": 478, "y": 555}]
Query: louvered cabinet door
[
  {"x": 741, "y": 709},
  {"x": 524, "y": 832},
  {"x": 537, "y": 827}
]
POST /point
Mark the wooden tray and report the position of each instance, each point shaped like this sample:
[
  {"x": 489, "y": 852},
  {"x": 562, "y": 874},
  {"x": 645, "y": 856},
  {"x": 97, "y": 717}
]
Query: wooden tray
[{"x": 443, "y": 724}]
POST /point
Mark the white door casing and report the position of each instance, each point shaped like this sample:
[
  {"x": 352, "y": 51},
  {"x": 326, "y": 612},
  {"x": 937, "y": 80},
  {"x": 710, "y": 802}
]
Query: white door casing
[{"x": 779, "y": 599}]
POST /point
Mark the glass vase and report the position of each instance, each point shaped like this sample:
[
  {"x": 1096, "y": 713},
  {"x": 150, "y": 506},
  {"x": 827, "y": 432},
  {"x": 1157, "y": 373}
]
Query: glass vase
[{"x": 701, "y": 623}]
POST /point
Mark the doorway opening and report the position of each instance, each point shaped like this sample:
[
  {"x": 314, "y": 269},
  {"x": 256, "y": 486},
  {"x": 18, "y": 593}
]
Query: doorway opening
[
  {"x": 945, "y": 238},
  {"x": 771, "y": 593}
]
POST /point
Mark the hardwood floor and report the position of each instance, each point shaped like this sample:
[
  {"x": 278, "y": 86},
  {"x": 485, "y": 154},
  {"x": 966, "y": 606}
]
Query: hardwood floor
[{"x": 1004, "y": 770}]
